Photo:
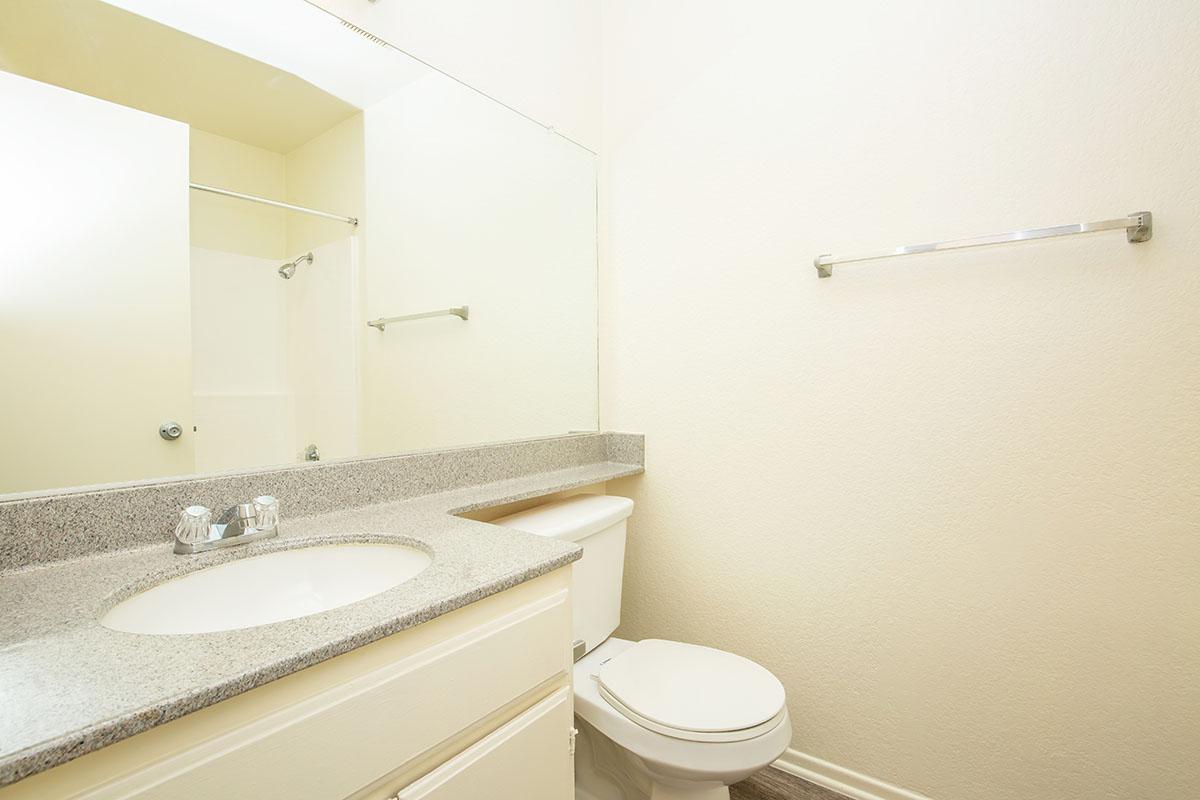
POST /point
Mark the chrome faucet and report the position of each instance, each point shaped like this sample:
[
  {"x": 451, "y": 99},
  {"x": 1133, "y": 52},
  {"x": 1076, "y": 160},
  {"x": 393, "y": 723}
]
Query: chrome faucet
[{"x": 240, "y": 524}]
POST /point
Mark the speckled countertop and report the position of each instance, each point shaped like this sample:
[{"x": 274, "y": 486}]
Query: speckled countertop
[{"x": 69, "y": 686}]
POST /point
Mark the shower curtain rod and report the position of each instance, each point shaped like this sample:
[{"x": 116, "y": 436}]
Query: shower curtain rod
[{"x": 200, "y": 187}]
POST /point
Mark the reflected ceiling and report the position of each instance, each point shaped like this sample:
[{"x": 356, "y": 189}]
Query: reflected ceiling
[{"x": 97, "y": 49}]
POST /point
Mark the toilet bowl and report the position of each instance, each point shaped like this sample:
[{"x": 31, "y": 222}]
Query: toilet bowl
[
  {"x": 657, "y": 719},
  {"x": 670, "y": 759}
]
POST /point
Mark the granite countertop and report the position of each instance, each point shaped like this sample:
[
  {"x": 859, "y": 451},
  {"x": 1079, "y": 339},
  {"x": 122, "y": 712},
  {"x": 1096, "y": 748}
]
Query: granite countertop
[{"x": 69, "y": 686}]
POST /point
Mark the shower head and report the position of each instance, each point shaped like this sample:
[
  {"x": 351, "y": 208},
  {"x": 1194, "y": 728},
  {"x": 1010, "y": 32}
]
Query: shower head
[{"x": 289, "y": 269}]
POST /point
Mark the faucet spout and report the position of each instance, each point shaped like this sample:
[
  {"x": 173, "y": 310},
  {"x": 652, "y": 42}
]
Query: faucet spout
[{"x": 237, "y": 521}]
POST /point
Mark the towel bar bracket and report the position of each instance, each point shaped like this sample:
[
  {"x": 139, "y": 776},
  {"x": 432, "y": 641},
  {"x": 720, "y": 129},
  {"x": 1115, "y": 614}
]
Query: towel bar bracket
[{"x": 1142, "y": 229}]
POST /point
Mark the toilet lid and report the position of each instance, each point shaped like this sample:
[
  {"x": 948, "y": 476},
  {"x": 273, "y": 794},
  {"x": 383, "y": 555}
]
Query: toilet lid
[{"x": 692, "y": 692}]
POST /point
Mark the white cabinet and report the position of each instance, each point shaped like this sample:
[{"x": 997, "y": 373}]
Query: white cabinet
[
  {"x": 527, "y": 759},
  {"x": 477, "y": 698}
]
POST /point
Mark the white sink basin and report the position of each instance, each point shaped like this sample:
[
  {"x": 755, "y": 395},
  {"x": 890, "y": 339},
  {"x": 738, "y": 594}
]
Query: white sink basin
[{"x": 269, "y": 588}]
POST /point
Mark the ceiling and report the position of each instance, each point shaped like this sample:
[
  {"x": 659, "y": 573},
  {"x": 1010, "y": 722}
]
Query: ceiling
[
  {"x": 100, "y": 50},
  {"x": 296, "y": 36}
]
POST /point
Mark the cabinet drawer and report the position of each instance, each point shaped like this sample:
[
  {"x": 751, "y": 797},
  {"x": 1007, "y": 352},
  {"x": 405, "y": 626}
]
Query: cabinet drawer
[
  {"x": 527, "y": 759},
  {"x": 354, "y": 733}
]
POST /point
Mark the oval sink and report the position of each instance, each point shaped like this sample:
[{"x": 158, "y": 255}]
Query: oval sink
[{"x": 269, "y": 588}]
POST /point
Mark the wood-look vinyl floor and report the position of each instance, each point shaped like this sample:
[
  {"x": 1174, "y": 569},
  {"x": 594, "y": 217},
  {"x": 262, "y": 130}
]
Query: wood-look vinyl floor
[{"x": 772, "y": 784}]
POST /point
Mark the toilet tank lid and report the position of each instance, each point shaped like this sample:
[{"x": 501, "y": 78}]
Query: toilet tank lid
[{"x": 571, "y": 518}]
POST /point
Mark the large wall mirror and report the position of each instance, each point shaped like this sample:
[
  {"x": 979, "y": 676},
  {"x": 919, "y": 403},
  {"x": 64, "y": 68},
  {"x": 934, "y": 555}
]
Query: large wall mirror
[{"x": 157, "y": 318}]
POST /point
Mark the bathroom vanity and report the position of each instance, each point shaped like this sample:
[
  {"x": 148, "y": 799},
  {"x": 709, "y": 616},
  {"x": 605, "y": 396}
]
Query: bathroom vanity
[
  {"x": 409, "y": 716},
  {"x": 453, "y": 684}
]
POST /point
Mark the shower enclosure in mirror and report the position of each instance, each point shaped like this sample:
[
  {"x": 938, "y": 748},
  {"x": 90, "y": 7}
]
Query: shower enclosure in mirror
[{"x": 200, "y": 219}]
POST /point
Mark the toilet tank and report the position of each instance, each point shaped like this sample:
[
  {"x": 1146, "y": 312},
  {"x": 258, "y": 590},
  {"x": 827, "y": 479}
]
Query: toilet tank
[{"x": 597, "y": 522}]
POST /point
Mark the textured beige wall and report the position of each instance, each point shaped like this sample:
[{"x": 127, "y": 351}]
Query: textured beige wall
[{"x": 953, "y": 501}]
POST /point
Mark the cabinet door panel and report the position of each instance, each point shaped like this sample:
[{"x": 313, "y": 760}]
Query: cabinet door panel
[{"x": 527, "y": 759}]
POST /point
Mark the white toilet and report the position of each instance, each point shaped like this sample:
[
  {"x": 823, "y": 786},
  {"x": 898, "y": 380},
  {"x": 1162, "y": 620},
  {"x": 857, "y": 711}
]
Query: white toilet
[{"x": 657, "y": 719}]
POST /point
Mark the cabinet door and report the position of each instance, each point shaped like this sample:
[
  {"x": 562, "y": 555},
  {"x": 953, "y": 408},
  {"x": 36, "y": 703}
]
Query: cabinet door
[{"x": 527, "y": 759}]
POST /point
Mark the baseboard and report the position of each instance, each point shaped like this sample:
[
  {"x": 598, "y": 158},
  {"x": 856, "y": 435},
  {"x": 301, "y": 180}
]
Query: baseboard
[{"x": 853, "y": 784}]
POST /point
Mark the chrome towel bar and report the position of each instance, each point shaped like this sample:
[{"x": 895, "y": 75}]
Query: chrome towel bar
[
  {"x": 462, "y": 312},
  {"x": 1138, "y": 227}
]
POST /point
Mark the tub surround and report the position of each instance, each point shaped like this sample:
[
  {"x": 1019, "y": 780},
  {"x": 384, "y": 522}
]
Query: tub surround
[{"x": 72, "y": 686}]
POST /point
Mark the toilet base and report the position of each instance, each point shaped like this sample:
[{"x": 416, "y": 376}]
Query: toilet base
[{"x": 607, "y": 771}]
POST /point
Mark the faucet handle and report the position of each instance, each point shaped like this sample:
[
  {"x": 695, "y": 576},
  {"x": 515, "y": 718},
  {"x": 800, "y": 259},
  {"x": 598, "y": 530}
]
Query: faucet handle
[
  {"x": 194, "y": 524},
  {"x": 266, "y": 512}
]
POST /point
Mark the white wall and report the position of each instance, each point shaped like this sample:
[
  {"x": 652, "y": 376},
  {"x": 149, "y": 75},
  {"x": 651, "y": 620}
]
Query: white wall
[
  {"x": 325, "y": 320},
  {"x": 239, "y": 309},
  {"x": 228, "y": 224},
  {"x": 950, "y": 500},
  {"x": 324, "y": 327},
  {"x": 244, "y": 401},
  {"x": 467, "y": 203},
  {"x": 542, "y": 57},
  {"x": 275, "y": 360},
  {"x": 94, "y": 334},
  {"x": 245, "y": 413},
  {"x": 325, "y": 173}
]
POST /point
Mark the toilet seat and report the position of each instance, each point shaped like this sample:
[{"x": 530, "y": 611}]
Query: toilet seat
[{"x": 690, "y": 692}]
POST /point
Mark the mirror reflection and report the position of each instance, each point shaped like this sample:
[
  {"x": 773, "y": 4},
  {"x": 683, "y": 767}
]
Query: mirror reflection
[{"x": 226, "y": 251}]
